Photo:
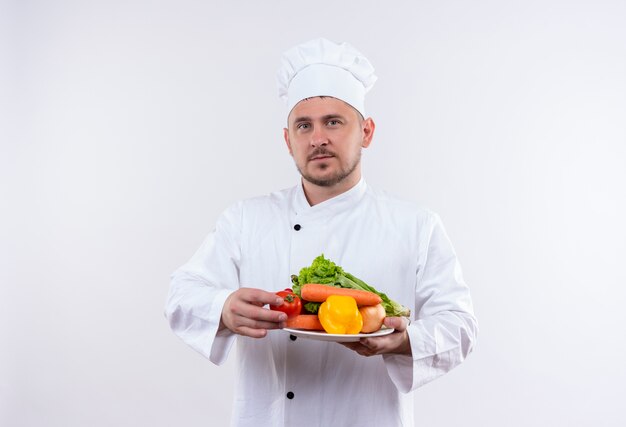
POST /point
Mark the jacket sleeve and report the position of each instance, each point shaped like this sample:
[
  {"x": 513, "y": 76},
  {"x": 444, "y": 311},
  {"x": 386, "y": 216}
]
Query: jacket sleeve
[
  {"x": 444, "y": 328},
  {"x": 199, "y": 289}
]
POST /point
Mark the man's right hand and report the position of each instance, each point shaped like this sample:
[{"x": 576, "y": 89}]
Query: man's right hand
[{"x": 243, "y": 313}]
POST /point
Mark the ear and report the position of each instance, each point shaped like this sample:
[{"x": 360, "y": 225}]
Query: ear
[
  {"x": 286, "y": 136},
  {"x": 368, "y": 127}
]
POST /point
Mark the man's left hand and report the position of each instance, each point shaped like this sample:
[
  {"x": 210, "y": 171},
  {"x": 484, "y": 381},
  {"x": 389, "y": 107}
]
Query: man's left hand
[{"x": 394, "y": 343}]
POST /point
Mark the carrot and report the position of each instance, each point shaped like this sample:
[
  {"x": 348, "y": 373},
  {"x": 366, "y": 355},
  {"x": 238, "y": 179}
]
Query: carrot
[
  {"x": 318, "y": 293},
  {"x": 305, "y": 321}
]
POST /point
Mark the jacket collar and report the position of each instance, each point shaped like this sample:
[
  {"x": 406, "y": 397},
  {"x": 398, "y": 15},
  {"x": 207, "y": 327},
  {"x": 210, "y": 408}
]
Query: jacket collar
[{"x": 338, "y": 203}]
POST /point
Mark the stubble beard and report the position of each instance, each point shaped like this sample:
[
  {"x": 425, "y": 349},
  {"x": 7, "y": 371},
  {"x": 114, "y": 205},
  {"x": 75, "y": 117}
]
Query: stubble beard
[{"x": 336, "y": 178}]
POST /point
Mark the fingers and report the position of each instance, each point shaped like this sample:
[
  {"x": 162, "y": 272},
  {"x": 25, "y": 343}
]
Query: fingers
[
  {"x": 380, "y": 346},
  {"x": 374, "y": 346},
  {"x": 243, "y": 312},
  {"x": 248, "y": 303},
  {"x": 394, "y": 343},
  {"x": 252, "y": 311},
  {"x": 360, "y": 348},
  {"x": 247, "y": 322},
  {"x": 397, "y": 323},
  {"x": 258, "y": 296}
]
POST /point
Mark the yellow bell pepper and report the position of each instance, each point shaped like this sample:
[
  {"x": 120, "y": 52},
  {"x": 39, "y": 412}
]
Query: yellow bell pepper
[{"x": 340, "y": 315}]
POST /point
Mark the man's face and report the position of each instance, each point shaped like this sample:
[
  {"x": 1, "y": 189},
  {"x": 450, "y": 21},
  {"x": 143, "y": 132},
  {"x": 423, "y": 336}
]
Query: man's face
[{"x": 325, "y": 137}]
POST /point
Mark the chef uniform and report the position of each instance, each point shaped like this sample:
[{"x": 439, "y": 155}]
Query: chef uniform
[{"x": 396, "y": 247}]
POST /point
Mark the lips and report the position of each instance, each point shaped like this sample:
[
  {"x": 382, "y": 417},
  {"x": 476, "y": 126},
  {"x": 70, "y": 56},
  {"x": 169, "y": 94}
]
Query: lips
[{"x": 320, "y": 155}]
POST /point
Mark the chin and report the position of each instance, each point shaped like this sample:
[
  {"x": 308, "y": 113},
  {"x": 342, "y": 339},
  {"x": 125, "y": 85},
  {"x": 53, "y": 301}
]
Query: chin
[{"x": 324, "y": 181}]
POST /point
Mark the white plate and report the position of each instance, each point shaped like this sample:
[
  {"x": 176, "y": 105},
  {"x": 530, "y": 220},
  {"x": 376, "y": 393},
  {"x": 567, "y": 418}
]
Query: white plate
[{"x": 323, "y": 336}]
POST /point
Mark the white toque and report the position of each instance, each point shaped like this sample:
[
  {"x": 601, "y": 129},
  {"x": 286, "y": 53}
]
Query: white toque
[{"x": 321, "y": 67}]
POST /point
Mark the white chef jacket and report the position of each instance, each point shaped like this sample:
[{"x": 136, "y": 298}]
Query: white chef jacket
[{"x": 397, "y": 248}]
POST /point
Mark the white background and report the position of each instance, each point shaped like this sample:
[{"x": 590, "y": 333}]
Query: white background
[{"x": 128, "y": 126}]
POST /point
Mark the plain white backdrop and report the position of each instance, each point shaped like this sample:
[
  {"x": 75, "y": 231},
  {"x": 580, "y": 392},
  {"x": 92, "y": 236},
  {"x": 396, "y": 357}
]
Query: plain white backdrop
[{"x": 127, "y": 126}]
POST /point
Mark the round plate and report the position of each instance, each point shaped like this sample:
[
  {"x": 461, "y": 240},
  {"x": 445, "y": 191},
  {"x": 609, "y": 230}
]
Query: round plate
[{"x": 323, "y": 336}]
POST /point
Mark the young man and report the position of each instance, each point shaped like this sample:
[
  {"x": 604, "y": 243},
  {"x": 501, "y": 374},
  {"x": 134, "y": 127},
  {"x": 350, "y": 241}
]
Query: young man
[{"x": 220, "y": 295}]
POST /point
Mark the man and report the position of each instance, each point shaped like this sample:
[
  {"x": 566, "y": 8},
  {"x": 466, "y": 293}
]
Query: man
[{"x": 220, "y": 295}]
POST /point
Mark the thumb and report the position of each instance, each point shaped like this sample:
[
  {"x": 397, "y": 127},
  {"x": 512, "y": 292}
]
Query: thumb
[{"x": 397, "y": 323}]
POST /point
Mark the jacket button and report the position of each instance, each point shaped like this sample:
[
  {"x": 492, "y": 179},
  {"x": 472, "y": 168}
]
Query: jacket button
[
  {"x": 293, "y": 337},
  {"x": 290, "y": 395},
  {"x": 297, "y": 227}
]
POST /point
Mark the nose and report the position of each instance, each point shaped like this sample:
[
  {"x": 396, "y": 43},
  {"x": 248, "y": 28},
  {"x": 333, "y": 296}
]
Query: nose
[{"x": 318, "y": 136}]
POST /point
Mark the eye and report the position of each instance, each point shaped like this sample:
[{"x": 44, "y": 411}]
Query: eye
[
  {"x": 334, "y": 122},
  {"x": 302, "y": 126}
]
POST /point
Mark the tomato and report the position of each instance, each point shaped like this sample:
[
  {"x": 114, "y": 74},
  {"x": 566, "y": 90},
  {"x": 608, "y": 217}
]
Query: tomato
[{"x": 292, "y": 306}]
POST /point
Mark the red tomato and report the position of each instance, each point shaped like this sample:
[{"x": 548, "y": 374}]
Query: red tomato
[{"x": 292, "y": 306}]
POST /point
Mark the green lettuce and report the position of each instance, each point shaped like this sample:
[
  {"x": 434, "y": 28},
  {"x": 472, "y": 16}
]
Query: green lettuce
[{"x": 326, "y": 272}]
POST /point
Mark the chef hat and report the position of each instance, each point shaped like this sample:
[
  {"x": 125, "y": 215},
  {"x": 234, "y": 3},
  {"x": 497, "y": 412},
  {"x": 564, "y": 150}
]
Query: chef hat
[{"x": 323, "y": 68}]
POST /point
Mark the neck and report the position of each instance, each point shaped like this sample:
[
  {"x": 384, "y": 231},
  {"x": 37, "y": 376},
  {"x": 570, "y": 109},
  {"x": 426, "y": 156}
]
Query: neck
[{"x": 316, "y": 194}]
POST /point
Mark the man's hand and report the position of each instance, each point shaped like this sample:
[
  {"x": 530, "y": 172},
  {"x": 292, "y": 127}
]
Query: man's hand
[
  {"x": 394, "y": 343},
  {"x": 243, "y": 313}
]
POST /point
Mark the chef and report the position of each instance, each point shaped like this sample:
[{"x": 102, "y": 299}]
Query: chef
[{"x": 220, "y": 296}]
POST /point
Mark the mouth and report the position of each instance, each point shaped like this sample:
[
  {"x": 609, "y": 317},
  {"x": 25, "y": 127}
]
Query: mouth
[{"x": 316, "y": 156}]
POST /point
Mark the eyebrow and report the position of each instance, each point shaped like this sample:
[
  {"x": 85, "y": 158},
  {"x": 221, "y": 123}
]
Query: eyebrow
[{"x": 324, "y": 118}]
